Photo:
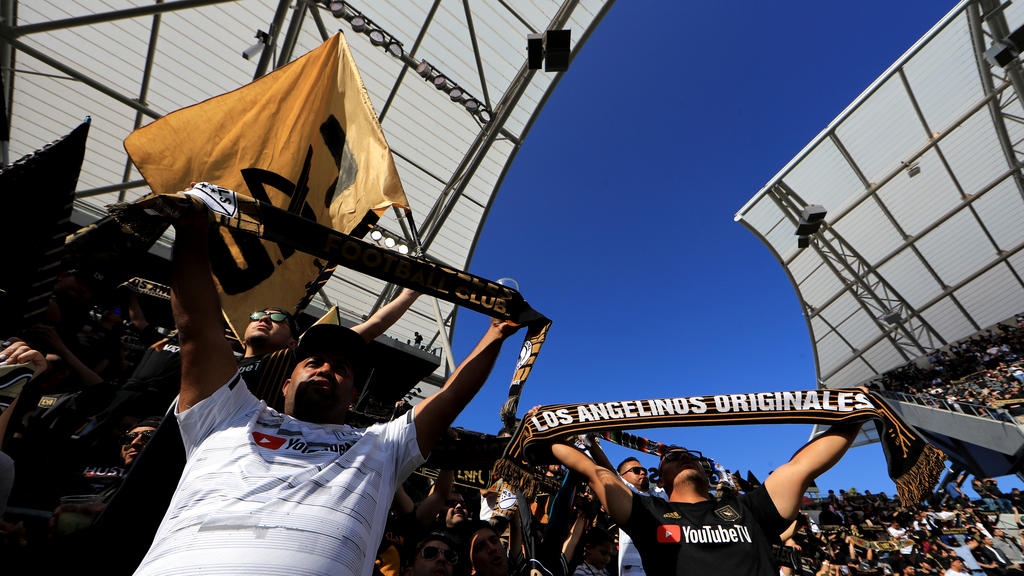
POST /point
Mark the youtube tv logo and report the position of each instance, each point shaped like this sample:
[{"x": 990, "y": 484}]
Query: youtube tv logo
[
  {"x": 669, "y": 534},
  {"x": 267, "y": 441}
]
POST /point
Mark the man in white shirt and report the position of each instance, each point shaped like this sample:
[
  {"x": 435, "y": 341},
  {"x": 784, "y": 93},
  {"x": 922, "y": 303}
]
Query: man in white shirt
[{"x": 299, "y": 492}]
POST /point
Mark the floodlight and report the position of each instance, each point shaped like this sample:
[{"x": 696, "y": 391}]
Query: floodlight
[
  {"x": 439, "y": 82},
  {"x": 455, "y": 93},
  {"x": 339, "y": 9},
  {"x": 395, "y": 48},
  {"x": 376, "y": 235},
  {"x": 377, "y": 38},
  {"x": 389, "y": 242},
  {"x": 803, "y": 241},
  {"x": 1004, "y": 51},
  {"x": 471, "y": 104},
  {"x": 810, "y": 219},
  {"x": 424, "y": 68},
  {"x": 403, "y": 249},
  {"x": 534, "y": 51},
  {"x": 556, "y": 50},
  {"x": 359, "y": 23},
  {"x": 484, "y": 115}
]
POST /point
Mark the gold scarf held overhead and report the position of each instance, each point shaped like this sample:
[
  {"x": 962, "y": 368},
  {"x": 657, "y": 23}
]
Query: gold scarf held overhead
[
  {"x": 304, "y": 138},
  {"x": 913, "y": 464}
]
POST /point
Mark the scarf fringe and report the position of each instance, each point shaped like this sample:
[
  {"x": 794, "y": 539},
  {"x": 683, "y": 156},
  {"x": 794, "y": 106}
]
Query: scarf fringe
[
  {"x": 922, "y": 476},
  {"x": 518, "y": 479}
]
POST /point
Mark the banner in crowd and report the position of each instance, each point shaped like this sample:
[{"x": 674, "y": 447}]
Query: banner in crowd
[
  {"x": 304, "y": 138},
  {"x": 39, "y": 187},
  {"x": 912, "y": 463}
]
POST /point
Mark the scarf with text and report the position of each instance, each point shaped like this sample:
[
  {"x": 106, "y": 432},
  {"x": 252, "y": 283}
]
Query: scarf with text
[
  {"x": 147, "y": 218},
  {"x": 913, "y": 464}
]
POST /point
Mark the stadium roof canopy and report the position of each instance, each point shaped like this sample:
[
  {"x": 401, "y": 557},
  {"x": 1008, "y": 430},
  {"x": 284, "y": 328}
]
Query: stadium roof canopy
[
  {"x": 921, "y": 179},
  {"x": 131, "y": 61}
]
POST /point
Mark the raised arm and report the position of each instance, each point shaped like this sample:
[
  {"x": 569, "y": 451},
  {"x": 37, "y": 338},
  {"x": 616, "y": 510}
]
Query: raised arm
[
  {"x": 606, "y": 484},
  {"x": 386, "y": 316},
  {"x": 206, "y": 359},
  {"x": 787, "y": 484},
  {"x": 435, "y": 414}
]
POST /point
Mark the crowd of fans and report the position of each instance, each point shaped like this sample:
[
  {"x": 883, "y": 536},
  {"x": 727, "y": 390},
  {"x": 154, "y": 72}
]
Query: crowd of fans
[
  {"x": 986, "y": 370},
  {"x": 75, "y": 431}
]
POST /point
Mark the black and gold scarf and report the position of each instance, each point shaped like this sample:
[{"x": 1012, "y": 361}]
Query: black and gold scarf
[{"x": 913, "y": 464}]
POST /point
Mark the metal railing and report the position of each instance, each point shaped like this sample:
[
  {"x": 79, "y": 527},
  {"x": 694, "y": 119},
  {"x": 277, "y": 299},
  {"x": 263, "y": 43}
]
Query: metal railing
[{"x": 958, "y": 407}]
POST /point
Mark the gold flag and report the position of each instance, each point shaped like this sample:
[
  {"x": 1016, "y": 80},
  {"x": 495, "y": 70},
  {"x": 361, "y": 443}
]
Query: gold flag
[{"x": 304, "y": 138}]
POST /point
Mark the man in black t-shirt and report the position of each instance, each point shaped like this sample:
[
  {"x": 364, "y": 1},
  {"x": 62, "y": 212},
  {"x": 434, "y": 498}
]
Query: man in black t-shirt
[{"x": 692, "y": 533}]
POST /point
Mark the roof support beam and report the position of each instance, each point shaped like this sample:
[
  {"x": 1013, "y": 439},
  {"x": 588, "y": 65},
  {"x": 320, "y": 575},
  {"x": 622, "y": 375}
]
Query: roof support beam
[
  {"x": 5, "y": 32},
  {"x": 412, "y": 52},
  {"x": 147, "y": 72},
  {"x": 292, "y": 36},
  {"x": 945, "y": 293},
  {"x": 485, "y": 138},
  {"x": 476, "y": 52},
  {"x": 997, "y": 23},
  {"x": 275, "y": 30},
  {"x": 157, "y": 8}
]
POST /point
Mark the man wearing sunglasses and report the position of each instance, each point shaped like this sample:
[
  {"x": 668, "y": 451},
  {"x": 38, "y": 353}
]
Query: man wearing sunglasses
[
  {"x": 297, "y": 492},
  {"x": 435, "y": 556},
  {"x": 693, "y": 533}
]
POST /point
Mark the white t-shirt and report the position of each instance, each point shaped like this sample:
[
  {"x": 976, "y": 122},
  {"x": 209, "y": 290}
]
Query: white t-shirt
[{"x": 264, "y": 493}]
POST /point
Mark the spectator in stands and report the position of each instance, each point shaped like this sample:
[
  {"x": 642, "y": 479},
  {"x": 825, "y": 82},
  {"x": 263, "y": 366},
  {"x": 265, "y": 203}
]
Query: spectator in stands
[
  {"x": 96, "y": 485},
  {"x": 435, "y": 555},
  {"x": 308, "y": 456},
  {"x": 597, "y": 553},
  {"x": 751, "y": 521},
  {"x": 487, "y": 555}
]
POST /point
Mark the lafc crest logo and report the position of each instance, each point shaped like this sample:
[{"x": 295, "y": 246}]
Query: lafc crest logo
[
  {"x": 728, "y": 513},
  {"x": 672, "y": 515}
]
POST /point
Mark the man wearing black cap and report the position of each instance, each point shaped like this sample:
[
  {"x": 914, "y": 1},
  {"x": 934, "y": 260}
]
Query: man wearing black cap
[
  {"x": 299, "y": 492},
  {"x": 695, "y": 533}
]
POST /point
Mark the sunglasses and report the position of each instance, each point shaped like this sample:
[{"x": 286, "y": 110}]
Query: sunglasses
[
  {"x": 682, "y": 454},
  {"x": 129, "y": 437},
  {"x": 275, "y": 316},
  {"x": 453, "y": 503},
  {"x": 431, "y": 552},
  {"x": 636, "y": 470}
]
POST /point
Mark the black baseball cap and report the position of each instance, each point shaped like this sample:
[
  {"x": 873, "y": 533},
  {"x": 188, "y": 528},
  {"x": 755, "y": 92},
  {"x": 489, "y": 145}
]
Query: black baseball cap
[{"x": 335, "y": 339}]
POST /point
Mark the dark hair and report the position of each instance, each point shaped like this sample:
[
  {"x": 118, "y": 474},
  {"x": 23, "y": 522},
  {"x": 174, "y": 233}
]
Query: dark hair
[
  {"x": 630, "y": 459},
  {"x": 150, "y": 422},
  {"x": 597, "y": 537}
]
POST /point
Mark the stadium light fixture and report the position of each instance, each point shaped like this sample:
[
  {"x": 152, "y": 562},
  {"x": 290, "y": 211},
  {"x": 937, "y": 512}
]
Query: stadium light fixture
[
  {"x": 389, "y": 242},
  {"x": 553, "y": 49},
  {"x": 1006, "y": 50},
  {"x": 358, "y": 23},
  {"x": 376, "y": 235},
  {"x": 811, "y": 218}
]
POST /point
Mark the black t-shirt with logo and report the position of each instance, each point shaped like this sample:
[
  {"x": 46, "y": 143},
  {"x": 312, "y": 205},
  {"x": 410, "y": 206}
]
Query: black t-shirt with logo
[{"x": 728, "y": 536}]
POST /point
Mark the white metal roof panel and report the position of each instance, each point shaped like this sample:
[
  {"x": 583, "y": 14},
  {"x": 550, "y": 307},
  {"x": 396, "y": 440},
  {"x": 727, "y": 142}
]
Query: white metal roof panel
[
  {"x": 450, "y": 162},
  {"x": 922, "y": 243}
]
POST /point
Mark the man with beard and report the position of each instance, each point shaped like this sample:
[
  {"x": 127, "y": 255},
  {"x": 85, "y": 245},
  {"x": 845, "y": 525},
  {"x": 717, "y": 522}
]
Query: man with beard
[
  {"x": 695, "y": 533},
  {"x": 297, "y": 492}
]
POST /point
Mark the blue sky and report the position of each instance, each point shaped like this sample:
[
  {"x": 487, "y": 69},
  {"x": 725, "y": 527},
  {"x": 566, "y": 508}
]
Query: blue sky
[{"x": 616, "y": 217}]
